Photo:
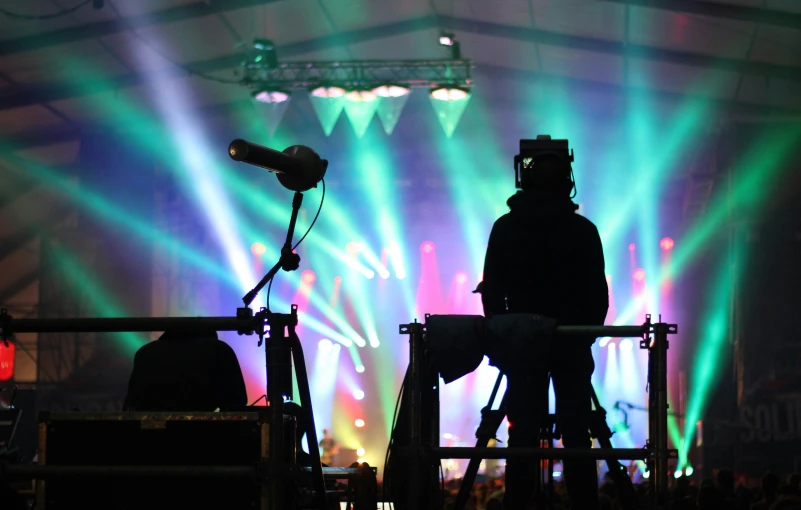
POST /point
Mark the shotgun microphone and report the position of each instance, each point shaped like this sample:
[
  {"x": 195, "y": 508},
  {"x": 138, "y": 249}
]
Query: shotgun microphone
[{"x": 298, "y": 167}]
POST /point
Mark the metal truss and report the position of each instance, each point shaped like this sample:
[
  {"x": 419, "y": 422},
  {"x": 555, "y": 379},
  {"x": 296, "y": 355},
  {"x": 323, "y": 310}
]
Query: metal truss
[{"x": 358, "y": 74}]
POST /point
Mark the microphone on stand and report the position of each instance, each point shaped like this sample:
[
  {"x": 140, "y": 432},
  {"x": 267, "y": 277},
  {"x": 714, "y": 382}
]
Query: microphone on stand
[{"x": 298, "y": 167}]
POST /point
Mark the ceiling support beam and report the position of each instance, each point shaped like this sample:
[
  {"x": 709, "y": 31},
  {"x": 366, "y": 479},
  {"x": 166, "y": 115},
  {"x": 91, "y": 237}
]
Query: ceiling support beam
[
  {"x": 723, "y": 11},
  {"x": 115, "y": 26},
  {"x": 31, "y": 94},
  {"x": 621, "y": 49},
  {"x": 729, "y": 110}
]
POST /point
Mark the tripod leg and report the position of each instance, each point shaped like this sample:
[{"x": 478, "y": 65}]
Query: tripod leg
[
  {"x": 487, "y": 429},
  {"x": 311, "y": 433},
  {"x": 599, "y": 429}
]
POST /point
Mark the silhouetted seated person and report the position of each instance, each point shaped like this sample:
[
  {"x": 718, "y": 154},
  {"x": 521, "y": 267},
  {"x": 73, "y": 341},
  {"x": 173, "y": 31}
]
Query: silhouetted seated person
[{"x": 186, "y": 371}]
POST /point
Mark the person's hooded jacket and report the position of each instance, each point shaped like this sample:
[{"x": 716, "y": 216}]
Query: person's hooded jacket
[{"x": 544, "y": 258}]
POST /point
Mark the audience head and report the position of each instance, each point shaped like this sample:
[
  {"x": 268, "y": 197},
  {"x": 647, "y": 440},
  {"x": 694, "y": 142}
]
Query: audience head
[{"x": 725, "y": 480}]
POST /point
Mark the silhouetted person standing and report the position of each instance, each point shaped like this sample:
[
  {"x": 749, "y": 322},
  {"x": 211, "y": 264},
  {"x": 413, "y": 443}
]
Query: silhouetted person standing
[
  {"x": 545, "y": 258},
  {"x": 192, "y": 371}
]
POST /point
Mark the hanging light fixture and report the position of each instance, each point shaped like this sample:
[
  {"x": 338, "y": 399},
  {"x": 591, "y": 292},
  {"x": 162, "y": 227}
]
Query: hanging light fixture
[
  {"x": 449, "y": 93},
  {"x": 270, "y": 96},
  {"x": 390, "y": 90},
  {"x": 361, "y": 96},
  {"x": 328, "y": 92}
]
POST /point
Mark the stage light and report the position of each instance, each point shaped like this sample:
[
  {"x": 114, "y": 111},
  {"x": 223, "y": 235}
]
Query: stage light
[
  {"x": 337, "y": 280},
  {"x": 461, "y": 277},
  {"x": 263, "y": 44},
  {"x": 369, "y": 274},
  {"x": 688, "y": 471},
  {"x": 308, "y": 276},
  {"x": 626, "y": 344},
  {"x": 360, "y": 452},
  {"x": 666, "y": 243},
  {"x": 401, "y": 275},
  {"x": 611, "y": 346},
  {"x": 328, "y": 92},
  {"x": 639, "y": 274},
  {"x": 383, "y": 273},
  {"x": 360, "y": 368},
  {"x": 446, "y": 39},
  {"x": 358, "y": 394},
  {"x": 271, "y": 96},
  {"x": 7, "y": 360},
  {"x": 325, "y": 345},
  {"x": 258, "y": 249},
  {"x": 361, "y": 96},
  {"x": 391, "y": 91},
  {"x": 632, "y": 247},
  {"x": 677, "y": 474},
  {"x": 646, "y": 475},
  {"x": 353, "y": 248},
  {"x": 427, "y": 247},
  {"x": 557, "y": 474},
  {"x": 449, "y": 93},
  {"x": 604, "y": 341},
  {"x": 359, "y": 423}
]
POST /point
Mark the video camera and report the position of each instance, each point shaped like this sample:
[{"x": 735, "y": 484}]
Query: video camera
[{"x": 543, "y": 147}]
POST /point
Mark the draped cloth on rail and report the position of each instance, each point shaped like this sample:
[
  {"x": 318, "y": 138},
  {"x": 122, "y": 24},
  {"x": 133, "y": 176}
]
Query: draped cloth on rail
[{"x": 512, "y": 342}]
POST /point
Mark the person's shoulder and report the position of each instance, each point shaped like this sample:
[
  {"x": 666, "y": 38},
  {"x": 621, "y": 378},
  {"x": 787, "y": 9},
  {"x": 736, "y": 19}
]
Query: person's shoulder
[
  {"x": 149, "y": 347},
  {"x": 584, "y": 223},
  {"x": 223, "y": 347},
  {"x": 503, "y": 221}
]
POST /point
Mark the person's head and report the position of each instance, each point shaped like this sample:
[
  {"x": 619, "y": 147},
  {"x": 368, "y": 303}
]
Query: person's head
[
  {"x": 326, "y": 433},
  {"x": 709, "y": 498},
  {"x": 549, "y": 175},
  {"x": 725, "y": 480},
  {"x": 770, "y": 482}
]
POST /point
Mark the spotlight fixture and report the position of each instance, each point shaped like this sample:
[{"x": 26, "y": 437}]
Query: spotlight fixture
[
  {"x": 263, "y": 44},
  {"x": 446, "y": 39},
  {"x": 449, "y": 93},
  {"x": 328, "y": 92},
  {"x": 391, "y": 91},
  {"x": 361, "y": 96},
  {"x": 270, "y": 96},
  {"x": 267, "y": 53},
  {"x": 449, "y": 41}
]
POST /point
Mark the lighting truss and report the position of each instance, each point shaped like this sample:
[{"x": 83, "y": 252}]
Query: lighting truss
[{"x": 358, "y": 74}]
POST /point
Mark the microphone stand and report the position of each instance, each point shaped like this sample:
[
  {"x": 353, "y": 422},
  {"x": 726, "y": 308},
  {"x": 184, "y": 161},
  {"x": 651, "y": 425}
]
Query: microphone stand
[
  {"x": 282, "y": 341},
  {"x": 289, "y": 261}
]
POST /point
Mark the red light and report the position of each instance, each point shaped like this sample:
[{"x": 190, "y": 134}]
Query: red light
[
  {"x": 461, "y": 277},
  {"x": 427, "y": 247},
  {"x": 337, "y": 280},
  {"x": 639, "y": 274},
  {"x": 632, "y": 247},
  {"x": 258, "y": 249},
  {"x": 666, "y": 244},
  {"x": 308, "y": 276},
  {"x": 7, "y": 358}
]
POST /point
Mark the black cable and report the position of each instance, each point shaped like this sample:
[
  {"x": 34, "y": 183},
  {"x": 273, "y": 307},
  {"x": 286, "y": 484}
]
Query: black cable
[
  {"x": 391, "y": 438},
  {"x": 322, "y": 198},
  {"x": 57, "y": 14},
  {"x": 160, "y": 53},
  {"x": 320, "y": 208},
  {"x": 258, "y": 400}
]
